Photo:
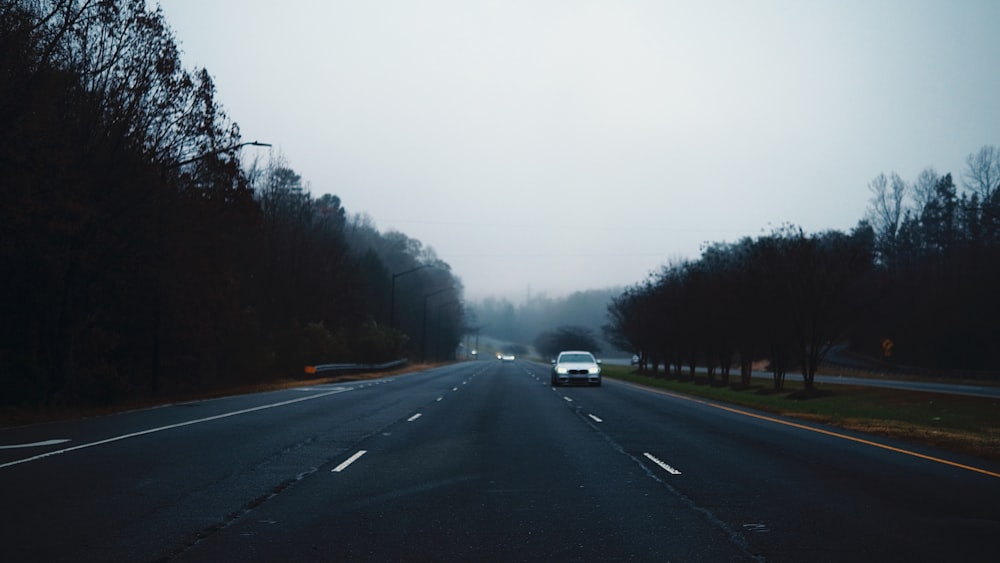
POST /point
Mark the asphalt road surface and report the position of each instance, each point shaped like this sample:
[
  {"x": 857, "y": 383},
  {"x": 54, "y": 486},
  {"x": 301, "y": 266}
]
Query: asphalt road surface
[{"x": 482, "y": 461}]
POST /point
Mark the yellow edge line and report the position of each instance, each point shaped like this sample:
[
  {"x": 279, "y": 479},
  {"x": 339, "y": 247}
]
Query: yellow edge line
[{"x": 830, "y": 433}]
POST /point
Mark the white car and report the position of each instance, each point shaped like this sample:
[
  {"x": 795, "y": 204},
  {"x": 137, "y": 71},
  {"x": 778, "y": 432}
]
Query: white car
[{"x": 576, "y": 366}]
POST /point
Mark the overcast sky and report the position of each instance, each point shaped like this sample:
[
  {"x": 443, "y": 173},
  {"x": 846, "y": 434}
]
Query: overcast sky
[{"x": 552, "y": 146}]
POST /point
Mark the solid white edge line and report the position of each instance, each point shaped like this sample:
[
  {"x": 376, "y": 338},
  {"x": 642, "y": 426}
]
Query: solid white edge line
[
  {"x": 348, "y": 461},
  {"x": 170, "y": 426},
  {"x": 665, "y": 467},
  {"x": 35, "y": 444}
]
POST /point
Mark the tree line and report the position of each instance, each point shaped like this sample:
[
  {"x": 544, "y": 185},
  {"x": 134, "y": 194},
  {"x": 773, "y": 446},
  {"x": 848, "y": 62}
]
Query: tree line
[
  {"x": 141, "y": 255},
  {"x": 914, "y": 283},
  {"x": 546, "y": 322}
]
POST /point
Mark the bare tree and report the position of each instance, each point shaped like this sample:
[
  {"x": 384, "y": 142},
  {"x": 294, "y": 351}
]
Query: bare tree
[
  {"x": 923, "y": 188},
  {"x": 982, "y": 172},
  {"x": 885, "y": 214}
]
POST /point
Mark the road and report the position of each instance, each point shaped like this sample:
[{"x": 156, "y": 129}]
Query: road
[{"x": 482, "y": 461}]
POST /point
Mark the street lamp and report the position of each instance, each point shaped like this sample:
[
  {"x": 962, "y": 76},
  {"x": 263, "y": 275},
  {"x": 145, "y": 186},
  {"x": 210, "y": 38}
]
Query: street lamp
[
  {"x": 438, "y": 326},
  {"x": 392, "y": 295},
  {"x": 161, "y": 204},
  {"x": 222, "y": 150},
  {"x": 423, "y": 335},
  {"x": 475, "y": 347}
]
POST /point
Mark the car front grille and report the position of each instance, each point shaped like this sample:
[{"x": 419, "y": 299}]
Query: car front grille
[{"x": 579, "y": 372}]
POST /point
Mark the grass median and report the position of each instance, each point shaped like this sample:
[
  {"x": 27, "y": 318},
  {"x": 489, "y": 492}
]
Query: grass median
[{"x": 957, "y": 423}]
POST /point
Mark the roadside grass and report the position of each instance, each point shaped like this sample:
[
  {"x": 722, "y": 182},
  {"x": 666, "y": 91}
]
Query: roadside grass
[{"x": 957, "y": 423}]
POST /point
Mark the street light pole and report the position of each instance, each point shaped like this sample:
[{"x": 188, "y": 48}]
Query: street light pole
[
  {"x": 157, "y": 297},
  {"x": 392, "y": 295},
  {"x": 476, "y": 348},
  {"x": 423, "y": 336},
  {"x": 438, "y": 325}
]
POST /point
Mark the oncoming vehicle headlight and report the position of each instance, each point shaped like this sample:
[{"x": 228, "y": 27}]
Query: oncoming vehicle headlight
[{"x": 561, "y": 370}]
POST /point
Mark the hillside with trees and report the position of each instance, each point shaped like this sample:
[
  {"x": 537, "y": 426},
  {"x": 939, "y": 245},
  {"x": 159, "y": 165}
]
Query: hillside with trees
[{"x": 142, "y": 256}]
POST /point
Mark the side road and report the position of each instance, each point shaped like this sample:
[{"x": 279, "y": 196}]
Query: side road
[
  {"x": 970, "y": 389},
  {"x": 933, "y": 387}
]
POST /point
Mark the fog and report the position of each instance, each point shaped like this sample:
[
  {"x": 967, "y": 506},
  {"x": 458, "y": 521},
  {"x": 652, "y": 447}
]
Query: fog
[{"x": 551, "y": 146}]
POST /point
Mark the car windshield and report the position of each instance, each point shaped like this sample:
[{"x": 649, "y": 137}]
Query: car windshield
[{"x": 576, "y": 358}]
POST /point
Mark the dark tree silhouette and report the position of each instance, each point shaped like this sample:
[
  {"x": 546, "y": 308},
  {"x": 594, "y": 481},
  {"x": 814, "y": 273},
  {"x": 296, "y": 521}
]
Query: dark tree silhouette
[
  {"x": 549, "y": 344},
  {"x": 139, "y": 256}
]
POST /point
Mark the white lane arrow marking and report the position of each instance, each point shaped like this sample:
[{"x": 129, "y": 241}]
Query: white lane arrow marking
[{"x": 662, "y": 464}]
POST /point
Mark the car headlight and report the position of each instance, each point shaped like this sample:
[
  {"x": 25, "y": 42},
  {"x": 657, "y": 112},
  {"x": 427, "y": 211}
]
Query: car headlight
[{"x": 560, "y": 370}]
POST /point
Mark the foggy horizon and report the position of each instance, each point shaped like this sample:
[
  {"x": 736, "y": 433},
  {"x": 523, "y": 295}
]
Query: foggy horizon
[{"x": 557, "y": 147}]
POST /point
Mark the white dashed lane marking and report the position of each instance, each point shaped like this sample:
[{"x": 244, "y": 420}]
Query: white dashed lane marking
[{"x": 349, "y": 461}]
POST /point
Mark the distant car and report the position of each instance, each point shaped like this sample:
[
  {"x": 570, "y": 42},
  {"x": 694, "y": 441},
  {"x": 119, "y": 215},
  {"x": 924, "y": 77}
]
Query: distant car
[
  {"x": 507, "y": 358},
  {"x": 576, "y": 367}
]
